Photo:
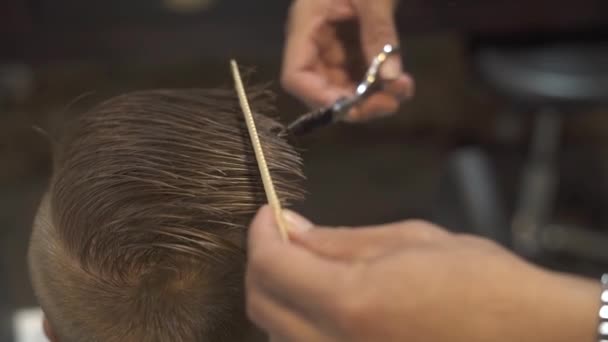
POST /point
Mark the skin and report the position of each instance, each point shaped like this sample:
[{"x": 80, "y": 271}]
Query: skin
[
  {"x": 330, "y": 44},
  {"x": 406, "y": 281},
  {"x": 48, "y": 331}
]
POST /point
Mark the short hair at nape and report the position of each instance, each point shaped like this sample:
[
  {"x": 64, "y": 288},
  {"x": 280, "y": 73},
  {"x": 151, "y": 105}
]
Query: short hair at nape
[{"x": 141, "y": 236}]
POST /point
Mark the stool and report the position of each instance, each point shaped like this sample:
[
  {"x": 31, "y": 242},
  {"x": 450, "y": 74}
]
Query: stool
[{"x": 545, "y": 78}]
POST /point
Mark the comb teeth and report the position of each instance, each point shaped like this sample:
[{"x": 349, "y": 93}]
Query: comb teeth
[
  {"x": 311, "y": 120},
  {"x": 271, "y": 193}
]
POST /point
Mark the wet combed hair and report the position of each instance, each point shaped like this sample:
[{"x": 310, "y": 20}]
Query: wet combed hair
[{"x": 141, "y": 235}]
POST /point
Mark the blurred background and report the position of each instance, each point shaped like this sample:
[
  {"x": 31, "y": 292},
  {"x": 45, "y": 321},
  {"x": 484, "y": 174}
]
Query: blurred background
[{"x": 506, "y": 137}]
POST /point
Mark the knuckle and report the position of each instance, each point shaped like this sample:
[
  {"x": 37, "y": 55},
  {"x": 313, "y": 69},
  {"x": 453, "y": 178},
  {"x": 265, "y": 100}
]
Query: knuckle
[
  {"x": 423, "y": 230},
  {"x": 419, "y": 222},
  {"x": 466, "y": 237},
  {"x": 421, "y": 226},
  {"x": 380, "y": 32},
  {"x": 478, "y": 241},
  {"x": 383, "y": 29}
]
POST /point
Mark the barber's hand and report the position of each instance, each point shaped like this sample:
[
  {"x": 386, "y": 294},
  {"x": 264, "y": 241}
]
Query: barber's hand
[
  {"x": 322, "y": 64},
  {"x": 408, "y": 281}
]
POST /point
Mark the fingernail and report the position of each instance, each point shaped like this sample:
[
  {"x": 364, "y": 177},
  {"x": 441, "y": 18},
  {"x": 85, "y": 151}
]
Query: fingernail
[
  {"x": 297, "y": 221},
  {"x": 391, "y": 69}
]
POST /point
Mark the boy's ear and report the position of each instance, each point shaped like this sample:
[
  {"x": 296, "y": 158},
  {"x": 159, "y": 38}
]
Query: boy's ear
[{"x": 48, "y": 330}]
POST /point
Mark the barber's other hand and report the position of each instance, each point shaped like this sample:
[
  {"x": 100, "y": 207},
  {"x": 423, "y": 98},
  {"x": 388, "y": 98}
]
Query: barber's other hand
[
  {"x": 324, "y": 59},
  {"x": 408, "y": 281}
]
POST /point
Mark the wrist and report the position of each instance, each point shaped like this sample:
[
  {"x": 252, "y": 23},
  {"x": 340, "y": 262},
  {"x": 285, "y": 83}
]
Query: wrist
[{"x": 570, "y": 308}]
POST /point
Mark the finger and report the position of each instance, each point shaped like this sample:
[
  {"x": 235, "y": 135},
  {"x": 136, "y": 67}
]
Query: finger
[
  {"x": 341, "y": 10},
  {"x": 275, "y": 319},
  {"x": 377, "y": 25},
  {"x": 362, "y": 243},
  {"x": 348, "y": 244},
  {"x": 301, "y": 74},
  {"x": 384, "y": 102},
  {"x": 401, "y": 88},
  {"x": 339, "y": 77},
  {"x": 313, "y": 88},
  {"x": 334, "y": 55},
  {"x": 376, "y": 105},
  {"x": 289, "y": 273}
]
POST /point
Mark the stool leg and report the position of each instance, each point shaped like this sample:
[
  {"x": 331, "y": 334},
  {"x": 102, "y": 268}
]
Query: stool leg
[
  {"x": 469, "y": 199},
  {"x": 539, "y": 184}
]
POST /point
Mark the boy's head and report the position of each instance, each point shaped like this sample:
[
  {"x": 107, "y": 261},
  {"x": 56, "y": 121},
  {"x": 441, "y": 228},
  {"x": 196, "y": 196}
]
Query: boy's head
[{"x": 141, "y": 235}]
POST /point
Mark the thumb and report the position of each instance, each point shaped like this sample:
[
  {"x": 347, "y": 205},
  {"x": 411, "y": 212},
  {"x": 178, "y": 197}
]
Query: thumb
[
  {"x": 263, "y": 229},
  {"x": 364, "y": 243},
  {"x": 377, "y": 25},
  {"x": 347, "y": 244}
]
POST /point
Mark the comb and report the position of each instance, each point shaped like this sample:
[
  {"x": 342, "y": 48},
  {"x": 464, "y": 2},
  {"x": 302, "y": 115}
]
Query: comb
[{"x": 269, "y": 189}]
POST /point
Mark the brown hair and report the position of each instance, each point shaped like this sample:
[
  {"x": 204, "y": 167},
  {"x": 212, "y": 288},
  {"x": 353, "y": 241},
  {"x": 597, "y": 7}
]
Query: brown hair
[{"x": 141, "y": 234}]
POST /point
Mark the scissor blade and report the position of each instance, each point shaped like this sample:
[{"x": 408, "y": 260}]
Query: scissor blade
[{"x": 312, "y": 120}]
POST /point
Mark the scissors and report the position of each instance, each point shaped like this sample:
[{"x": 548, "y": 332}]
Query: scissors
[{"x": 338, "y": 110}]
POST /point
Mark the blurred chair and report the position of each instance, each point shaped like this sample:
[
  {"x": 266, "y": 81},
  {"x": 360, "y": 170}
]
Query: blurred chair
[
  {"x": 6, "y": 307},
  {"x": 547, "y": 79},
  {"x": 16, "y": 83}
]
